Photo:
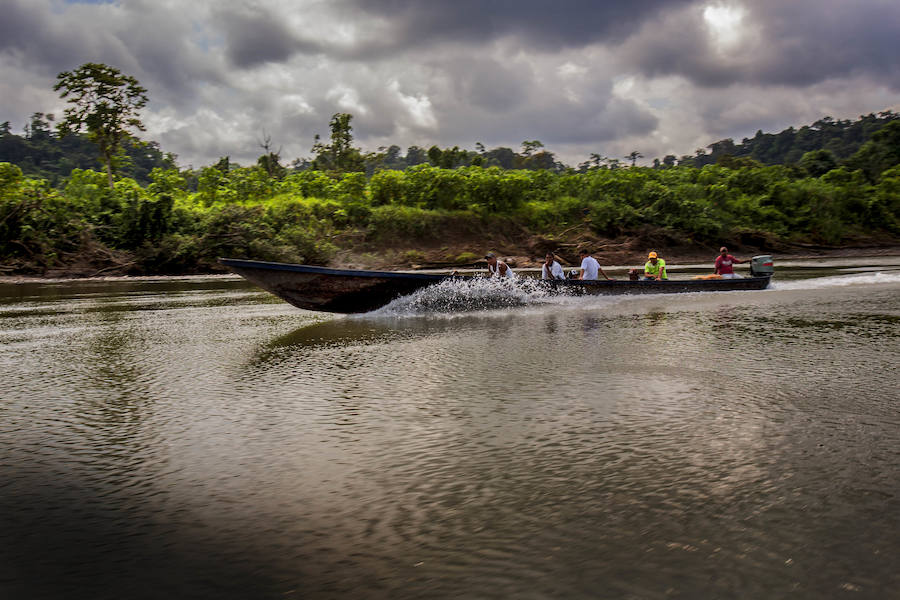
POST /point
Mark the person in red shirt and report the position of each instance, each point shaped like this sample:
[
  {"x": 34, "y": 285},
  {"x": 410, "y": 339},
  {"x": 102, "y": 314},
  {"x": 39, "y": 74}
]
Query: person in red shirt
[{"x": 725, "y": 264}]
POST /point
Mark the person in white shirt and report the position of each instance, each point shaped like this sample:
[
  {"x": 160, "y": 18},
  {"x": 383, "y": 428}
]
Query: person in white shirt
[
  {"x": 498, "y": 268},
  {"x": 552, "y": 269},
  {"x": 590, "y": 268}
]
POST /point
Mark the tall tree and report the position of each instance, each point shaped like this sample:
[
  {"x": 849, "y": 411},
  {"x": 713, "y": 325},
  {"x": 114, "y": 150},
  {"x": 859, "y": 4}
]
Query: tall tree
[
  {"x": 39, "y": 128},
  {"x": 415, "y": 156},
  {"x": 339, "y": 155},
  {"x": 106, "y": 103},
  {"x": 270, "y": 161},
  {"x": 633, "y": 156},
  {"x": 435, "y": 154},
  {"x": 529, "y": 147}
]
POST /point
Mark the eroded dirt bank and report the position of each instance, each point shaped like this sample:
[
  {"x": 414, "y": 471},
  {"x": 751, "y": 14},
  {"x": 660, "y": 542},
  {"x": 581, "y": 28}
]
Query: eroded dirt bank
[{"x": 623, "y": 253}]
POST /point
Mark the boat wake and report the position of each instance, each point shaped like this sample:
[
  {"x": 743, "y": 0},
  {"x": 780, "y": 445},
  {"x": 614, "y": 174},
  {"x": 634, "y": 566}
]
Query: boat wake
[
  {"x": 467, "y": 295},
  {"x": 837, "y": 281}
]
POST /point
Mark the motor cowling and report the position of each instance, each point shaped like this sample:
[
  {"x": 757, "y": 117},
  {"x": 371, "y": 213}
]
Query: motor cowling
[{"x": 762, "y": 266}]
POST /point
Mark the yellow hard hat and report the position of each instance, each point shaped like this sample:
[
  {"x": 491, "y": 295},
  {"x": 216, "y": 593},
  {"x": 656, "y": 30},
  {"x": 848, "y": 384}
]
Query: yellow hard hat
[{"x": 652, "y": 255}]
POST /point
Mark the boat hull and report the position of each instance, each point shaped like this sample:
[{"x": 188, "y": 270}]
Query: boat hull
[
  {"x": 330, "y": 290},
  {"x": 352, "y": 291}
]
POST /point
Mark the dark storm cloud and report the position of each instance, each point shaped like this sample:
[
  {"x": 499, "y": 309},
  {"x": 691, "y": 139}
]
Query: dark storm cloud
[
  {"x": 561, "y": 24},
  {"x": 796, "y": 44},
  {"x": 490, "y": 85},
  {"x": 147, "y": 41},
  {"x": 808, "y": 42},
  {"x": 546, "y": 113},
  {"x": 26, "y": 36},
  {"x": 254, "y": 35},
  {"x": 20, "y": 22}
]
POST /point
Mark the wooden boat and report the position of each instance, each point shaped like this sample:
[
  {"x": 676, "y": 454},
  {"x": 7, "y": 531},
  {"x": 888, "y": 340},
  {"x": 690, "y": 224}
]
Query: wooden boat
[{"x": 353, "y": 291}]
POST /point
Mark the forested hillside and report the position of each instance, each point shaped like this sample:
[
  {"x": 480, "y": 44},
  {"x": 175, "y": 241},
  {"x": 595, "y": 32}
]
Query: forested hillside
[
  {"x": 42, "y": 153},
  {"x": 838, "y": 140}
]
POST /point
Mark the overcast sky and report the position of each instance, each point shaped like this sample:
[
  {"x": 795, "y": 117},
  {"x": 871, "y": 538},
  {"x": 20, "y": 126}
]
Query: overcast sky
[{"x": 656, "y": 76}]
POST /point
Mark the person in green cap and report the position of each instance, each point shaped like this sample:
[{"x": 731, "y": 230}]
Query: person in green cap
[{"x": 655, "y": 268}]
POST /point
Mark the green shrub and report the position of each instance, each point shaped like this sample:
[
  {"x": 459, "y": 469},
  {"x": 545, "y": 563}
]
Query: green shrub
[
  {"x": 351, "y": 188},
  {"x": 388, "y": 187},
  {"x": 10, "y": 178},
  {"x": 493, "y": 189},
  {"x": 435, "y": 188},
  {"x": 309, "y": 184}
]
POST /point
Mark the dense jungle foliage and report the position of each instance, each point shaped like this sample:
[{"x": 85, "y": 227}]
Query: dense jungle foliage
[
  {"x": 833, "y": 139},
  {"x": 183, "y": 220}
]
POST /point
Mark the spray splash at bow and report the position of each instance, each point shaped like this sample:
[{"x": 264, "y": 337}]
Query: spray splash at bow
[{"x": 470, "y": 294}]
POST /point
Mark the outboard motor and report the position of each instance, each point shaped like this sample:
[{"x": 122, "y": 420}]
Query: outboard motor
[{"x": 762, "y": 266}]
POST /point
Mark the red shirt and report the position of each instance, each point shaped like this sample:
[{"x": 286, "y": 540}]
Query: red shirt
[{"x": 725, "y": 264}]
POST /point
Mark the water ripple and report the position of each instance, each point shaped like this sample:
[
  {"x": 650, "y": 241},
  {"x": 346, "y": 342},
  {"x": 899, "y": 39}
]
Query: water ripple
[{"x": 730, "y": 445}]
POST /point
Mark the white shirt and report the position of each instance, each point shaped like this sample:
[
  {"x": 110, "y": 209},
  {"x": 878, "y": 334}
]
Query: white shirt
[
  {"x": 590, "y": 267},
  {"x": 556, "y": 271},
  {"x": 495, "y": 270}
]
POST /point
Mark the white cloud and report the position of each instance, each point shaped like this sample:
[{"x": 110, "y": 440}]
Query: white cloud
[
  {"x": 726, "y": 24},
  {"x": 419, "y": 107}
]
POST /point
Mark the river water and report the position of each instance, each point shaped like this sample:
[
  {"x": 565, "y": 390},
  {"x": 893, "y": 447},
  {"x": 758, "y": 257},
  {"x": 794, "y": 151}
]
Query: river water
[{"x": 198, "y": 438}]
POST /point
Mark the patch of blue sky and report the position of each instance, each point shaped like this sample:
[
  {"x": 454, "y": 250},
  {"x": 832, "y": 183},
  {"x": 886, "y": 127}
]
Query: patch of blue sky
[{"x": 205, "y": 39}]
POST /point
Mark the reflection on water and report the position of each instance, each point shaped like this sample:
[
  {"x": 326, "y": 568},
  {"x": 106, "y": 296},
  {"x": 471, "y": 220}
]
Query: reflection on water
[{"x": 202, "y": 440}]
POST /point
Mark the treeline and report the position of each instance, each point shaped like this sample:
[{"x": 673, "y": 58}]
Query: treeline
[
  {"x": 42, "y": 153},
  {"x": 818, "y": 148},
  {"x": 308, "y": 216},
  {"x": 831, "y": 140}
]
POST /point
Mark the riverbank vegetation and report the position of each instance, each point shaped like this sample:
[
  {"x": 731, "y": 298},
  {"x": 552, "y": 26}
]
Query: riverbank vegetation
[
  {"x": 840, "y": 184},
  {"x": 424, "y": 212}
]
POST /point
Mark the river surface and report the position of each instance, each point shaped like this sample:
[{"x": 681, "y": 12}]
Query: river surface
[{"x": 198, "y": 438}]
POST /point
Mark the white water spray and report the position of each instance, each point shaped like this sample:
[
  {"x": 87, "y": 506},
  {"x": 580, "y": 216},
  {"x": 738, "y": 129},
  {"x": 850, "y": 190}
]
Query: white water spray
[{"x": 471, "y": 294}]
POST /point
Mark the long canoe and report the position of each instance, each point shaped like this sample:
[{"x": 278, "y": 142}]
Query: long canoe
[{"x": 355, "y": 291}]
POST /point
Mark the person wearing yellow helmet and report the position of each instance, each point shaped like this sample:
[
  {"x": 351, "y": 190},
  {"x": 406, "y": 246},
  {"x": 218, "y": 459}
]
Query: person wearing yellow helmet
[{"x": 655, "y": 267}]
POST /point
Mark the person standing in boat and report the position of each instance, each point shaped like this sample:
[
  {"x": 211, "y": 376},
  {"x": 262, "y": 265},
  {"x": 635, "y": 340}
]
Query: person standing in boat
[
  {"x": 551, "y": 269},
  {"x": 498, "y": 268},
  {"x": 655, "y": 267},
  {"x": 725, "y": 264},
  {"x": 590, "y": 268}
]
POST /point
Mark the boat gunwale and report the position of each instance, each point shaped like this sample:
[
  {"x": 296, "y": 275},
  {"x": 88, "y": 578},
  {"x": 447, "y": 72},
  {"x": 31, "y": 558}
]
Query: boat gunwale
[{"x": 277, "y": 266}]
